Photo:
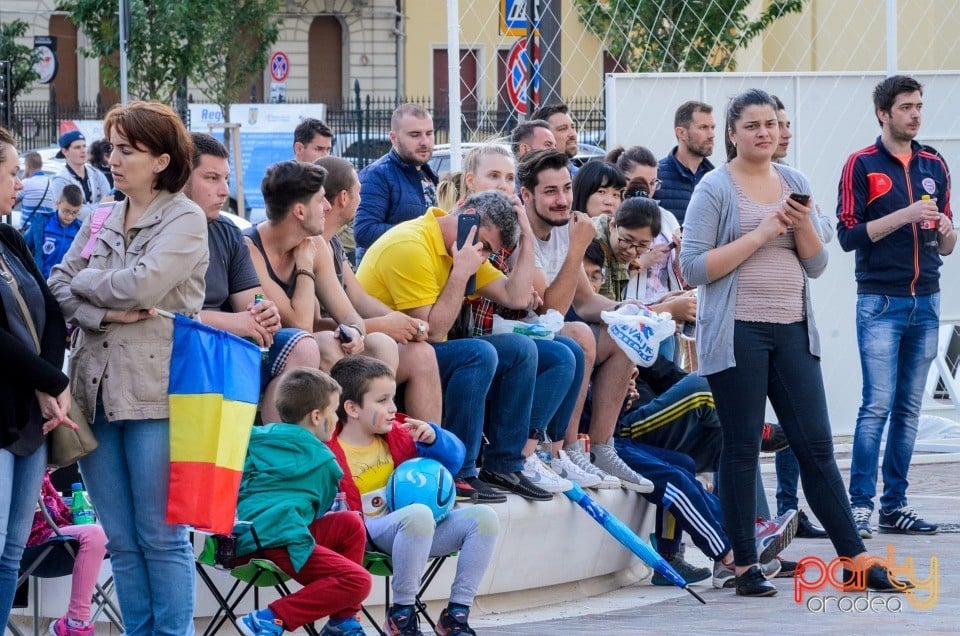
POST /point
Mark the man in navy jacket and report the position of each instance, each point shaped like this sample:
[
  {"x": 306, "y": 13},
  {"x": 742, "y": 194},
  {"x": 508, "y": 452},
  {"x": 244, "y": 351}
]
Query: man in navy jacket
[
  {"x": 681, "y": 170},
  {"x": 888, "y": 192},
  {"x": 400, "y": 185}
]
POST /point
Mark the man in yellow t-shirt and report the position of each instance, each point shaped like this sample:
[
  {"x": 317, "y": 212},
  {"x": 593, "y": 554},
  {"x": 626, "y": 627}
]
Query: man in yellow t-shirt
[{"x": 416, "y": 267}]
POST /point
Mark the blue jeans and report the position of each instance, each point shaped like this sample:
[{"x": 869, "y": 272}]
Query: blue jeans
[
  {"x": 897, "y": 336},
  {"x": 560, "y": 368},
  {"x": 788, "y": 474},
  {"x": 774, "y": 361},
  {"x": 20, "y": 479},
  {"x": 500, "y": 368},
  {"x": 127, "y": 477}
]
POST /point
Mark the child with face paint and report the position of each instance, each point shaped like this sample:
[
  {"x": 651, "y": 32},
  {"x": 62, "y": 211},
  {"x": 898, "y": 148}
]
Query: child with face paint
[
  {"x": 290, "y": 479},
  {"x": 371, "y": 440}
]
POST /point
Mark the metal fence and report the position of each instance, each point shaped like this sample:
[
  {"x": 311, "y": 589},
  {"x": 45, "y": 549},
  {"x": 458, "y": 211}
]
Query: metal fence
[{"x": 36, "y": 124}]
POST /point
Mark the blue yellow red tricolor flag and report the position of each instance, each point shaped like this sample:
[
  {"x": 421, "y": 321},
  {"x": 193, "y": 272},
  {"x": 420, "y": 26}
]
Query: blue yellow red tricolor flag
[{"x": 214, "y": 389}]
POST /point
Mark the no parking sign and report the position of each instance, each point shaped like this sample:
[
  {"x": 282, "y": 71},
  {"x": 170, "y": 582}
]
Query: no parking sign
[
  {"x": 517, "y": 64},
  {"x": 279, "y": 66}
]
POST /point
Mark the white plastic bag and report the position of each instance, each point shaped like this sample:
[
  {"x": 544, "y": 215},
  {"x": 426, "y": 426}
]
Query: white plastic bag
[
  {"x": 544, "y": 327},
  {"x": 639, "y": 332}
]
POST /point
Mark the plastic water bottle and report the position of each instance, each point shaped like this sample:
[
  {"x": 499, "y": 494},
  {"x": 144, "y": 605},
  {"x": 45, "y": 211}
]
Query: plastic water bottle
[
  {"x": 264, "y": 351},
  {"x": 928, "y": 232},
  {"x": 340, "y": 502},
  {"x": 544, "y": 451},
  {"x": 80, "y": 506}
]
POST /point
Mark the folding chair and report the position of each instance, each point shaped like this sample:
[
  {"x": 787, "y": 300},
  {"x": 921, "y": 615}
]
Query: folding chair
[
  {"x": 53, "y": 559},
  {"x": 380, "y": 564},
  {"x": 253, "y": 575}
]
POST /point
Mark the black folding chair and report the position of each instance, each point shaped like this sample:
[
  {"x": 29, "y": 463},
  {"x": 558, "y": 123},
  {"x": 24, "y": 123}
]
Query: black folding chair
[{"x": 54, "y": 558}]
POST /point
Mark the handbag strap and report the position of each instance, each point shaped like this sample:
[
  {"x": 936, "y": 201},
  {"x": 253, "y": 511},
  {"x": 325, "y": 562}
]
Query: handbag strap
[
  {"x": 15, "y": 286},
  {"x": 96, "y": 223},
  {"x": 39, "y": 203}
]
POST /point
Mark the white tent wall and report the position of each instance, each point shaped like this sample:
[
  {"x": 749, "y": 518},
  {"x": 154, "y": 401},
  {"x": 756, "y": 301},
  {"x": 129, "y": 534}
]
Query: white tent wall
[{"x": 832, "y": 116}]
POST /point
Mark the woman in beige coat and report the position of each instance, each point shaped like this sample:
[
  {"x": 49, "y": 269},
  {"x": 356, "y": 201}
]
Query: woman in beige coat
[{"x": 149, "y": 253}]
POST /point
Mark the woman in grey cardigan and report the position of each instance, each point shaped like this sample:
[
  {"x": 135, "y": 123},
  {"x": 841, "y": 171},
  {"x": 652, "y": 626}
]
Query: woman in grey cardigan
[{"x": 751, "y": 247}]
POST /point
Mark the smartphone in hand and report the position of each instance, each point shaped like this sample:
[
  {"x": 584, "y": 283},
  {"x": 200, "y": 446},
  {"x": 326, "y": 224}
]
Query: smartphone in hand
[
  {"x": 466, "y": 221},
  {"x": 802, "y": 199},
  {"x": 344, "y": 334}
]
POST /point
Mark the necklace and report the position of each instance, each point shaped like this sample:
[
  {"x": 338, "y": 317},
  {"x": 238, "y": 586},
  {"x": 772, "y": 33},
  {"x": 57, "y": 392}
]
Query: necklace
[{"x": 5, "y": 272}]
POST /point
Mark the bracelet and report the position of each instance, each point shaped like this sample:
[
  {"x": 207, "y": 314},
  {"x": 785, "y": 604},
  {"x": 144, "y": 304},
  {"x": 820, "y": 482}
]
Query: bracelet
[
  {"x": 304, "y": 272},
  {"x": 359, "y": 330}
]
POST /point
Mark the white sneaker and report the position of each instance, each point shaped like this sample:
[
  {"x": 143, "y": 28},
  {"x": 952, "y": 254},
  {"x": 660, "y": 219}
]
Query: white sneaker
[
  {"x": 566, "y": 469},
  {"x": 605, "y": 458},
  {"x": 541, "y": 476},
  {"x": 580, "y": 458}
]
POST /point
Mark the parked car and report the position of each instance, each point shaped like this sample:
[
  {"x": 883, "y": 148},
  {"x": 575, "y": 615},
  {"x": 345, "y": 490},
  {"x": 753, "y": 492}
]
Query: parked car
[
  {"x": 51, "y": 165},
  {"x": 440, "y": 161},
  {"x": 361, "y": 152}
]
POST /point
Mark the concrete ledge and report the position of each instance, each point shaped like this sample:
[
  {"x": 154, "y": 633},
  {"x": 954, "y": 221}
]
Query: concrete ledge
[{"x": 546, "y": 553}]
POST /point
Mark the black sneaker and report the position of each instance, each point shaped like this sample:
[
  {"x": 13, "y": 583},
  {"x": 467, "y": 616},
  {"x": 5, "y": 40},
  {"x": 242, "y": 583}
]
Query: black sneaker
[
  {"x": 454, "y": 623},
  {"x": 402, "y": 620},
  {"x": 807, "y": 529},
  {"x": 753, "y": 583},
  {"x": 774, "y": 439},
  {"x": 486, "y": 493},
  {"x": 905, "y": 521},
  {"x": 687, "y": 571},
  {"x": 515, "y": 483},
  {"x": 876, "y": 578},
  {"x": 465, "y": 492},
  {"x": 787, "y": 568}
]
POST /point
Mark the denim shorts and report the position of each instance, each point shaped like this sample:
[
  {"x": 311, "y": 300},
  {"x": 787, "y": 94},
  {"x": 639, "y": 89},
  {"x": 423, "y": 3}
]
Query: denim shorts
[{"x": 283, "y": 343}]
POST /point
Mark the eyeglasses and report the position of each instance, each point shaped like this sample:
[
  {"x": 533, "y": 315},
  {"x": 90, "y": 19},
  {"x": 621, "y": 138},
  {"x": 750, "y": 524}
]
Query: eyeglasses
[
  {"x": 656, "y": 184},
  {"x": 598, "y": 277},
  {"x": 638, "y": 248}
]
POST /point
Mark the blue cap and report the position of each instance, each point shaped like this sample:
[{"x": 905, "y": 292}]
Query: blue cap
[
  {"x": 76, "y": 486},
  {"x": 67, "y": 138}
]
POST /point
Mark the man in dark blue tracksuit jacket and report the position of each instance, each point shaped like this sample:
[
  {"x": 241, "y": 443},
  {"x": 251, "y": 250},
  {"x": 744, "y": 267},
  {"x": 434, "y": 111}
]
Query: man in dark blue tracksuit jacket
[
  {"x": 887, "y": 192},
  {"x": 681, "y": 170},
  {"x": 400, "y": 185}
]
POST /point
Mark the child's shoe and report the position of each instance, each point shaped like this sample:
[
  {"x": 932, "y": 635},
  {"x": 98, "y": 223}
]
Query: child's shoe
[
  {"x": 348, "y": 627},
  {"x": 63, "y": 627},
  {"x": 254, "y": 625},
  {"x": 454, "y": 623},
  {"x": 402, "y": 621}
]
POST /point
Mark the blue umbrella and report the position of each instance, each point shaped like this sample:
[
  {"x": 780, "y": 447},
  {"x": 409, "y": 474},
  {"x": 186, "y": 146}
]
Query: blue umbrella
[{"x": 619, "y": 531}]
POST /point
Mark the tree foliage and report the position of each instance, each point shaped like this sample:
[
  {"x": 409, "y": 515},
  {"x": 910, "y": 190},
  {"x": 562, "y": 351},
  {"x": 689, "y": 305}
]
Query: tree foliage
[
  {"x": 163, "y": 45},
  {"x": 22, "y": 58},
  {"x": 238, "y": 35},
  {"x": 678, "y": 35},
  {"x": 219, "y": 44}
]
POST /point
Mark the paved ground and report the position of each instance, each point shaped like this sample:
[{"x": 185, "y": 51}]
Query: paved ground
[{"x": 647, "y": 609}]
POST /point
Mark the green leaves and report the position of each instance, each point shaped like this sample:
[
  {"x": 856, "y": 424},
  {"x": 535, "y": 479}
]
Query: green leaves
[
  {"x": 678, "y": 35},
  {"x": 21, "y": 57},
  {"x": 172, "y": 40}
]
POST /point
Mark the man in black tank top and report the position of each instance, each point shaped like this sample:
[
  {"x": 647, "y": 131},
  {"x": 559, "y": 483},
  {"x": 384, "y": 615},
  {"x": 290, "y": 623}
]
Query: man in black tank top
[{"x": 295, "y": 266}]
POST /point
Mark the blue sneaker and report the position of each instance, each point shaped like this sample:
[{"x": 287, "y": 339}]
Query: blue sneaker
[
  {"x": 253, "y": 625},
  {"x": 402, "y": 621},
  {"x": 348, "y": 627}
]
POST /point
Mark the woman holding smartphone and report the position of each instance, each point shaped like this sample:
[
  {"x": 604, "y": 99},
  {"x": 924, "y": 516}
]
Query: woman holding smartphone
[{"x": 751, "y": 248}]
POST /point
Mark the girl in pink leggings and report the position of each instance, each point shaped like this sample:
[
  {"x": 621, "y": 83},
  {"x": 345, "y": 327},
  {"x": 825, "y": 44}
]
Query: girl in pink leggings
[{"x": 86, "y": 568}]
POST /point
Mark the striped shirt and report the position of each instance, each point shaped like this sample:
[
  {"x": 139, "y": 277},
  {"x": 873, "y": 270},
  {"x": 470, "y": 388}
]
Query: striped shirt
[{"x": 35, "y": 198}]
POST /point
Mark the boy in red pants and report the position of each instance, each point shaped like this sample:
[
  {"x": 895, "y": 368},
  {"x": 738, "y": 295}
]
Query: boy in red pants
[{"x": 289, "y": 481}]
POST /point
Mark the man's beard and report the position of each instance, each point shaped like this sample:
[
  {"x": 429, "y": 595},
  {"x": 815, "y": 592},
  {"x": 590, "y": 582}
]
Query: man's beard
[
  {"x": 549, "y": 221},
  {"x": 700, "y": 151},
  {"x": 410, "y": 158}
]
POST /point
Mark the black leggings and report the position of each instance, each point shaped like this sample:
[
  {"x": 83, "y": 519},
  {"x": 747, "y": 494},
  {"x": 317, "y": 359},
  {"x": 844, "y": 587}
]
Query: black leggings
[{"x": 774, "y": 361}]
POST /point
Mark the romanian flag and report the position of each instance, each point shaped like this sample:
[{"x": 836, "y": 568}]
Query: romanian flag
[{"x": 214, "y": 389}]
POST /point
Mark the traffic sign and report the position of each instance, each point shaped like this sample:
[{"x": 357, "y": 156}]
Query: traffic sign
[
  {"x": 513, "y": 17},
  {"x": 517, "y": 64},
  {"x": 279, "y": 66}
]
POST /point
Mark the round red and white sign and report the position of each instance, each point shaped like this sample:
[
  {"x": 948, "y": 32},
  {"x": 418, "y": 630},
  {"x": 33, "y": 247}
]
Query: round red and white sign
[{"x": 279, "y": 66}]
